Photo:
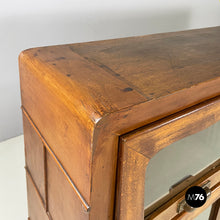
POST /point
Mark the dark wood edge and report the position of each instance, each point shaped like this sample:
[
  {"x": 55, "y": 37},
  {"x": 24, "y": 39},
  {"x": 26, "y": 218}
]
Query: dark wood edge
[
  {"x": 45, "y": 177},
  {"x": 49, "y": 216},
  {"x": 83, "y": 201},
  {"x": 215, "y": 210}
]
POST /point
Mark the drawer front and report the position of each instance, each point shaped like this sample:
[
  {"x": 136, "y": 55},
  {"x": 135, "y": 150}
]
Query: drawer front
[{"x": 137, "y": 151}]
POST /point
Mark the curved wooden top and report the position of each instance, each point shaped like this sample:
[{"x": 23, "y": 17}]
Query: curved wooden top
[
  {"x": 82, "y": 97},
  {"x": 114, "y": 74},
  {"x": 106, "y": 76}
]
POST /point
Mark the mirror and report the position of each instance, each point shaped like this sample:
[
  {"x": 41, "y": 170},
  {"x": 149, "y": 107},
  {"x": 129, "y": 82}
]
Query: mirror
[{"x": 183, "y": 158}]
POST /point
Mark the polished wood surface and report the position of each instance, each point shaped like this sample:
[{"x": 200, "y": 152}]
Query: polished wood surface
[
  {"x": 61, "y": 194},
  {"x": 83, "y": 97},
  {"x": 148, "y": 64}
]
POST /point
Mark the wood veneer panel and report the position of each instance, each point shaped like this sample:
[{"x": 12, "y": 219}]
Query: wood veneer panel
[
  {"x": 63, "y": 131},
  {"x": 63, "y": 203},
  {"x": 36, "y": 209},
  {"x": 35, "y": 157}
]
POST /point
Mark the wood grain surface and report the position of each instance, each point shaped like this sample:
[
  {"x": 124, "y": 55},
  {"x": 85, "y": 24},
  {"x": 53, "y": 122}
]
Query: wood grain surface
[
  {"x": 82, "y": 97},
  {"x": 34, "y": 156},
  {"x": 151, "y": 139},
  {"x": 36, "y": 208}
]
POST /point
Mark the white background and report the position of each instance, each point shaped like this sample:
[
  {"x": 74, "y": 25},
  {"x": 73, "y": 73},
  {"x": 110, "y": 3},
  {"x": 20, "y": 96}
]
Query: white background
[{"x": 28, "y": 23}]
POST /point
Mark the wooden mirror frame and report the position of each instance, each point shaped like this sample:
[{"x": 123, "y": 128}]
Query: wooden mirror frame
[{"x": 139, "y": 146}]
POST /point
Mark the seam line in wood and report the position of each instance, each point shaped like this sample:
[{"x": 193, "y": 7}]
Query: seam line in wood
[
  {"x": 85, "y": 204},
  {"x": 45, "y": 177},
  {"x": 35, "y": 187},
  {"x": 129, "y": 147},
  {"x": 110, "y": 71},
  {"x": 49, "y": 216}
]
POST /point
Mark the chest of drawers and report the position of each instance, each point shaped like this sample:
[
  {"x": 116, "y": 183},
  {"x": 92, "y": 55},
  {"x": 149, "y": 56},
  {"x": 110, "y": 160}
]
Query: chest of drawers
[{"x": 96, "y": 113}]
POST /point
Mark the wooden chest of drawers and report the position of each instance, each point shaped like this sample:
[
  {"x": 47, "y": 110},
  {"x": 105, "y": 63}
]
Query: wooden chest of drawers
[{"x": 95, "y": 113}]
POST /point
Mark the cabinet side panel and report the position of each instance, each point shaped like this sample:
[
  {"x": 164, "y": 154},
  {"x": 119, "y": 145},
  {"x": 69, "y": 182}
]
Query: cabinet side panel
[
  {"x": 63, "y": 131},
  {"x": 62, "y": 200}
]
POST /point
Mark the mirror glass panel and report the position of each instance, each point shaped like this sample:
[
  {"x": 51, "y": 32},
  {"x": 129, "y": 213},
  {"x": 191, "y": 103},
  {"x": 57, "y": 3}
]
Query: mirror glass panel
[
  {"x": 183, "y": 158},
  {"x": 204, "y": 215}
]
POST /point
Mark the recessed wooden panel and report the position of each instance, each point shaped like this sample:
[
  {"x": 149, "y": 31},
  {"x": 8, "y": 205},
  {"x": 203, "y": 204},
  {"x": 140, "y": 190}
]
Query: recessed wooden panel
[
  {"x": 63, "y": 203},
  {"x": 36, "y": 209},
  {"x": 35, "y": 157}
]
